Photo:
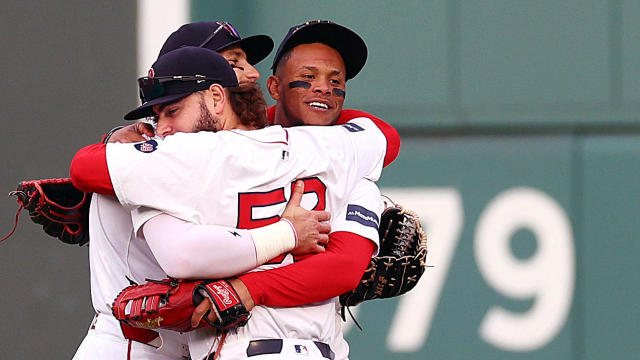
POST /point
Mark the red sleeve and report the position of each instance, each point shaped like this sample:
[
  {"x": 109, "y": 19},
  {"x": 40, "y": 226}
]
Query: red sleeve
[
  {"x": 393, "y": 138},
  {"x": 316, "y": 278},
  {"x": 89, "y": 171}
]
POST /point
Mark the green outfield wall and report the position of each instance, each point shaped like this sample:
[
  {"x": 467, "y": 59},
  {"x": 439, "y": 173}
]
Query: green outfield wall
[
  {"x": 521, "y": 152},
  {"x": 520, "y": 123}
]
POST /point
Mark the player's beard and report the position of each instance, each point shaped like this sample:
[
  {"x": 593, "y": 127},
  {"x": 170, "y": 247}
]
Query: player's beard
[{"x": 207, "y": 121}]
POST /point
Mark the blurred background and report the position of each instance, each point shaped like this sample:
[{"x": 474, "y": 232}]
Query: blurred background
[{"x": 521, "y": 152}]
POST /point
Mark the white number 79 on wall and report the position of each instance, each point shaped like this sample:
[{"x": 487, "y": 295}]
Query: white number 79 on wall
[{"x": 547, "y": 276}]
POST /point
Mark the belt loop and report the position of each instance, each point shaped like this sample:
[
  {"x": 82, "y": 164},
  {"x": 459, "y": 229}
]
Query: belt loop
[
  {"x": 265, "y": 346},
  {"x": 325, "y": 350}
]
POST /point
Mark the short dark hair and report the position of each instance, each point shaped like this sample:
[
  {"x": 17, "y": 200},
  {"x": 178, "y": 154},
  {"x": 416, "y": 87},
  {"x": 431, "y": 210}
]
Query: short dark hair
[{"x": 283, "y": 60}]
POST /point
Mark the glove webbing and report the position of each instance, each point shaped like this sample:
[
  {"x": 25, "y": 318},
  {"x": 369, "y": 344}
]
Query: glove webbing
[
  {"x": 44, "y": 200},
  {"x": 24, "y": 199}
]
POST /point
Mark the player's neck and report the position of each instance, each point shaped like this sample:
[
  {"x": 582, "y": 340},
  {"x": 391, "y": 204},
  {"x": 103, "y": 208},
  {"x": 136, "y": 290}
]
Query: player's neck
[{"x": 232, "y": 121}]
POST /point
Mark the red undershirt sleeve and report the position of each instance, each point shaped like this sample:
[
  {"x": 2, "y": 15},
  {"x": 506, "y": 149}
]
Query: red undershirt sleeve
[
  {"x": 316, "y": 278},
  {"x": 89, "y": 171}
]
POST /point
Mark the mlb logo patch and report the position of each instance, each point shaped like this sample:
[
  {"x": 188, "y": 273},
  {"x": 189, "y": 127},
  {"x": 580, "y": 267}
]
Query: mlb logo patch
[
  {"x": 147, "y": 146},
  {"x": 301, "y": 349}
]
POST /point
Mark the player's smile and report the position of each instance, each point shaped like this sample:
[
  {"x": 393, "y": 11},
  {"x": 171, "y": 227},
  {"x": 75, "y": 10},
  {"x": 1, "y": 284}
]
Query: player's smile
[
  {"x": 319, "y": 105},
  {"x": 311, "y": 86}
]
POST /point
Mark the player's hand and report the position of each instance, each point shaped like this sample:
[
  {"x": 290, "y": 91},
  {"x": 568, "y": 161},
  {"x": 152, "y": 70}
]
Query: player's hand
[
  {"x": 206, "y": 305},
  {"x": 132, "y": 133},
  {"x": 311, "y": 226},
  {"x": 202, "y": 309}
]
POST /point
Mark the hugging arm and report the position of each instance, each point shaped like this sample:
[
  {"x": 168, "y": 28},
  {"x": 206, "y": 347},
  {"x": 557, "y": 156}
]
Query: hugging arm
[{"x": 89, "y": 171}]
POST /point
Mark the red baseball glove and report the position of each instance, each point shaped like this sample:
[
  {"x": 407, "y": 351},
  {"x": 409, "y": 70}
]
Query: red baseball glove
[{"x": 169, "y": 303}]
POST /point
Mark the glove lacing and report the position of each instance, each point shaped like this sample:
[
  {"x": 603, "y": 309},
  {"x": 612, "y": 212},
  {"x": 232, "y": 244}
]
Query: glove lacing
[{"x": 15, "y": 224}]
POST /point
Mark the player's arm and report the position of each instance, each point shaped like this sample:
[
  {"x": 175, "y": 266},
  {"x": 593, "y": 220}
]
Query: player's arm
[
  {"x": 186, "y": 250},
  {"x": 316, "y": 278},
  {"x": 390, "y": 133},
  {"x": 322, "y": 276},
  {"x": 92, "y": 170},
  {"x": 333, "y": 272},
  {"x": 89, "y": 171}
]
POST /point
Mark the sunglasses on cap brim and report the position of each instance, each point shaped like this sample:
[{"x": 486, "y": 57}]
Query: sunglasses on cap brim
[
  {"x": 221, "y": 25},
  {"x": 155, "y": 87}
]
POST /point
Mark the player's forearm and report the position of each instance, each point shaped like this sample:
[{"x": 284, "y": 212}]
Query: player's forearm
[
  {"x": 89, "y": 172},
  {"x": 389, "y": 132},
  {"x": 186, "y": 250},
  {"x": 316, "y": 278}
]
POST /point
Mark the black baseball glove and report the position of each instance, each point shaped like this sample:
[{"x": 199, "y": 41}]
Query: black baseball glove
[
  {"x": 400, "y": 261},
  {"x": 61, "y": 209}
]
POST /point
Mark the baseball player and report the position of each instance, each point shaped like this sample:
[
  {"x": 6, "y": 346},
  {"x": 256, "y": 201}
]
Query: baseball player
[
  {"x": 309, "y": 87},
  {"x": 346, "y": 112},
  {"x": 242, "y": 54},
  {"x": 117, "y": 255},
  {"x": 338, "y": 92},
  {"x": 323, "y": 292},
  {"x": 275, "y": 157}
]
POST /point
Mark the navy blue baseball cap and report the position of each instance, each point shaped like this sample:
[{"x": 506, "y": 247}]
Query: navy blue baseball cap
[
  {"x": 218, "y": 36},
  {"x": 178, "y": 74},
  {"x": 350, "y": 46}
]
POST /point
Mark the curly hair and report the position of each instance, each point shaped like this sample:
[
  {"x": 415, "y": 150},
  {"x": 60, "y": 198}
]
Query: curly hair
[{"x": 250, "y": 105}]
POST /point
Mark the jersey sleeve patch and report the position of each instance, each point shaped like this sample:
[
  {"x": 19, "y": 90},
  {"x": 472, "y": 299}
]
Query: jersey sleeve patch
[
  {"x": 353, "y": 127},
  {"x": 363, "y": 216},
  {"x": 147, "y": 146}
]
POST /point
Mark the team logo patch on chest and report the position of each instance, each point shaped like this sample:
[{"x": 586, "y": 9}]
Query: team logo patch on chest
[
  {"x": 147, "y": 146},
  {"x": 362, "y": 216}
]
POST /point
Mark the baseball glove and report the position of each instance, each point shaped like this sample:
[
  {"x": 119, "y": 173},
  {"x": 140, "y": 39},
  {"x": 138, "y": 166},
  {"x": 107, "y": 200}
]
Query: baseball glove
[
  {"x": 400, "y": 261},
  {"x": 61, "y": 209},
  {"x": 169, "y": 303}
]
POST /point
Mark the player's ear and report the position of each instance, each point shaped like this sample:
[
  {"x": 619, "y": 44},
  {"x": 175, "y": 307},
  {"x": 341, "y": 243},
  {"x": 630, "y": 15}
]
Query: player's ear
[
  {"x": 273, "y": 86},
  {"x": 219, "y": 97}
]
